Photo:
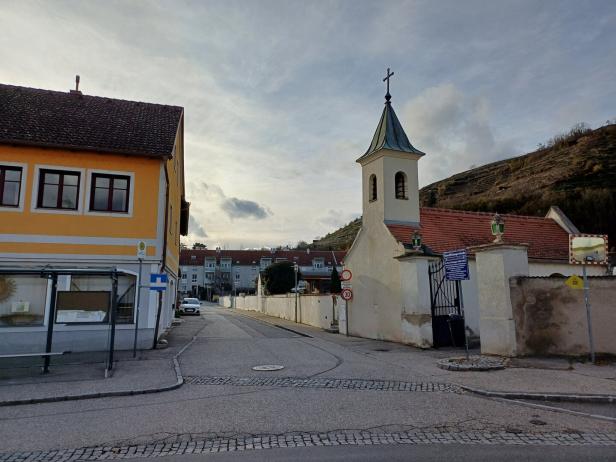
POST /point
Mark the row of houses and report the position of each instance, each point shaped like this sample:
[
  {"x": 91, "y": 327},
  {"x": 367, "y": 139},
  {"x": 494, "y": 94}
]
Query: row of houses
[
  {"x": 91, "y": 203},
  {"x": 208, "y": 272}
]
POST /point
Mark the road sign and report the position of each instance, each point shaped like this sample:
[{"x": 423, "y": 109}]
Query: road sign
[
  {"x": 575, "y": 282},
  {"x": 346, "y": 294},
  {"x": 456, "y": 265},
  {"x": 346, "y": 275},
  {"x": 158, "y": 282},
  {"x": 141, "y": 249},
  {"x": 346, "y": 285}
]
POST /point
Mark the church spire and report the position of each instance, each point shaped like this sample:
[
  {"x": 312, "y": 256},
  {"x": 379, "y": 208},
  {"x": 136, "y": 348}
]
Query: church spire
[{"x": 389, "y": 133}]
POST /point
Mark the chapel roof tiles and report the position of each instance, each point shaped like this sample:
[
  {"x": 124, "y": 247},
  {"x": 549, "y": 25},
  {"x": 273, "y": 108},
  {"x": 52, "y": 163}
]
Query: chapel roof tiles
[
  {"x": 35, "y": 117},
  {"x": 444, "y": 230}
]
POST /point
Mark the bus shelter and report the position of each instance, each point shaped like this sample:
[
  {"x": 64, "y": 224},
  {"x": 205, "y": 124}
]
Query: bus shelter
[{"x": 75, "y": 298}]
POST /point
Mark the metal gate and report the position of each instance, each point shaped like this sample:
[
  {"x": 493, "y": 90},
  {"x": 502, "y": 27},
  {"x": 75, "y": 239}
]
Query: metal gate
[{"x": 447, "y": 320}]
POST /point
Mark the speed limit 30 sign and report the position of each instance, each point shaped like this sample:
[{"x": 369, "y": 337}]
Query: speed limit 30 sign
[{"x": 346, "y": 294}]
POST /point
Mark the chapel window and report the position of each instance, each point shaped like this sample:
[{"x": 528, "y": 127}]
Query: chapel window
[
  {"x": 372, "y": 183},
  {"x": 401, "y": 188}
]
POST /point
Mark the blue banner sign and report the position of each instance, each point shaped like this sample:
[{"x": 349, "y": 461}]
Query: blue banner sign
[
  {"x": 456, "y": 265},
  {"x": 158, "y": 281}
]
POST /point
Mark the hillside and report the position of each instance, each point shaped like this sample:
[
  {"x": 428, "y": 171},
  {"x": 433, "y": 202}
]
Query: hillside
[{"x": 575, "y": 171}]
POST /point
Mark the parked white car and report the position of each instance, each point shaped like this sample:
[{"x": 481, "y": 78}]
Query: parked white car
[
  {"x": 301, "y": 287},
  {"x": 190, "y": 306}
]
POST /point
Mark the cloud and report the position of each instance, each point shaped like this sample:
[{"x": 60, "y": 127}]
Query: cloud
[
  {"x": 239, "y": 208},
  {"x": 454, "y": 130},
  {"x": 194, "y": 228},
  {"x": 233, "y": 207}
]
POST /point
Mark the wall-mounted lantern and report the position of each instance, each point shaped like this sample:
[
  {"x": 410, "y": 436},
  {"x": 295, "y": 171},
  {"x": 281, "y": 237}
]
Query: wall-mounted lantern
[
  {"x": 498, "y": 228},
  {"x": 416, "y": 240}
]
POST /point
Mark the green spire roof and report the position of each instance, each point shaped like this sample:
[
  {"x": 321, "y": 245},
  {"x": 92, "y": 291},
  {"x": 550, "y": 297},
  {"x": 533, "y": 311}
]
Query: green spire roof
[{"x": 390, "y": 135}]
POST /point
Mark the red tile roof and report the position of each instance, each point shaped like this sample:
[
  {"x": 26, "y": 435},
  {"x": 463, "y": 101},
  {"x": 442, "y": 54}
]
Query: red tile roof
[
  {"x": 443, "y": 230},
  {"x": 250, "y": 257}
]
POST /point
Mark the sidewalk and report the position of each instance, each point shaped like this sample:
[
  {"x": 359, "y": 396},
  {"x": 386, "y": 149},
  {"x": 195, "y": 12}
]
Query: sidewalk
[
  {"x": 82, "y": 375},
  {"x": 524, "y": 378}
]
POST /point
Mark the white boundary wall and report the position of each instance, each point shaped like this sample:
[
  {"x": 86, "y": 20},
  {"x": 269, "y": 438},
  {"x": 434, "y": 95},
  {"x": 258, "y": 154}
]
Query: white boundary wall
[{"x": 314, "y": 310}]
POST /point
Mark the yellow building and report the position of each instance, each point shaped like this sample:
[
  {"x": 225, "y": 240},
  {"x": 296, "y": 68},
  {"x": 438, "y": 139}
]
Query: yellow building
[{"x": 83, "y": 180}]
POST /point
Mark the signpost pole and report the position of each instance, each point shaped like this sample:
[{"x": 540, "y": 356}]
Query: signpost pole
[
  {"x": 346, "y": 315},
  {"x": 588, "y": 318},
  {"x": 137, "y": 309},
  {"x": 112, "y": 319},
  {"x": 295, "y": 268}
]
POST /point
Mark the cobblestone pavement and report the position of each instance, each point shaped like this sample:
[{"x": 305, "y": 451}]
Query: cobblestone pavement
[
  {"x": 303, "y": 439},
  {"x": 322, "y": 382}
]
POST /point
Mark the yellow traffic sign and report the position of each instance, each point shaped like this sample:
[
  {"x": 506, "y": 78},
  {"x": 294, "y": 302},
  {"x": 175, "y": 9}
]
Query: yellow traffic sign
[{"x": 575, "y": 282}]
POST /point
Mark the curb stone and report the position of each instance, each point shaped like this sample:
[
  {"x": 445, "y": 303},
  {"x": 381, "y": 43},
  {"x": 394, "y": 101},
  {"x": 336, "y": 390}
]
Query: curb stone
[
  {"x": 107, "y": 394},
  {"x": 557, "y": 397}
]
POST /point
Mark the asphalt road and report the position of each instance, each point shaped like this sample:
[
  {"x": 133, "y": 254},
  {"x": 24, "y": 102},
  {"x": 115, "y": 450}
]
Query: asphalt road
[{"x": 327, "y": 388}]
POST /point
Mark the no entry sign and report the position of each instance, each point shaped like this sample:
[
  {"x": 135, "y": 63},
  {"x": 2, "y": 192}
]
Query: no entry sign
[
  {"x": 346, "y": 275},
  {"x": 346, "y": 294}
]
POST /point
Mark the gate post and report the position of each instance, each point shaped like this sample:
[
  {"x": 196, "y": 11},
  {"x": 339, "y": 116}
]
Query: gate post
[
  {"x": 496, "y": 264},
  {"x": 416, "y": 314}
]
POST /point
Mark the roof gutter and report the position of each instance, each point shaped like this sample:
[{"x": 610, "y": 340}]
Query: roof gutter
[{"x": 163, "y": 255}]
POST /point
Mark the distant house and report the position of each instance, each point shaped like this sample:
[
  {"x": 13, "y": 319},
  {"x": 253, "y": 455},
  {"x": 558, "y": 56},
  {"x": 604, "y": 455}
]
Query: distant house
[
  {"x": 205, "y": 272},
  {"x": 83, "y": 180}
]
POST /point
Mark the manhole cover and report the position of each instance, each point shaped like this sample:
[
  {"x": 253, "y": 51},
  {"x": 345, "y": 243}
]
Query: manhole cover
[{"x": 268, "y": 367}]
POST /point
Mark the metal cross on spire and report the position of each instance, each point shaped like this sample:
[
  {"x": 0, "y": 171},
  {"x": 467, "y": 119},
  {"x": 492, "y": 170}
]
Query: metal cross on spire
[{"x": 386, "y": 79}]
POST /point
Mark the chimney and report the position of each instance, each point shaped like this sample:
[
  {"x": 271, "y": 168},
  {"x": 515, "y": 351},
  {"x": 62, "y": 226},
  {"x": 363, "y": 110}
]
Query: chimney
[{"x": 76, "y": 90}]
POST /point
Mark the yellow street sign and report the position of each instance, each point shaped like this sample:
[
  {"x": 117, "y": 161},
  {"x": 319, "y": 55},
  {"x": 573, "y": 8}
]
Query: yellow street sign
[{"x": 575, "y": 282}]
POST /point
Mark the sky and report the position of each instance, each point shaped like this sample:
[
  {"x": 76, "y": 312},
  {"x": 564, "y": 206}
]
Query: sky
[{"x": 281, "y": 97}]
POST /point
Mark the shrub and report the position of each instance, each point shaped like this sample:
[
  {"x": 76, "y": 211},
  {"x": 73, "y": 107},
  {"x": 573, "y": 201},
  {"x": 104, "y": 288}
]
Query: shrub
[{"x": 280, "y": 277}]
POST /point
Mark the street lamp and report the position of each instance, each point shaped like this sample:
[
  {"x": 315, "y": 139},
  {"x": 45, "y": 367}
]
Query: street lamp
[
  {"x": 498, "y": 228},
  {"x": 416, "y": 240}
]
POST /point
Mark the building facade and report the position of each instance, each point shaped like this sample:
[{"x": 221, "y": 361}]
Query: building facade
[
  {"x": 83, "y": 181},
  {"x": 208, "y": 272}
]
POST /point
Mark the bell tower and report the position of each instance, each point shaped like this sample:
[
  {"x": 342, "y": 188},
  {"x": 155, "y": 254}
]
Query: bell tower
[{"x": 390, "y": 188}]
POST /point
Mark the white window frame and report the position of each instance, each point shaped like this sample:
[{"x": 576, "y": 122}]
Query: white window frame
[
  {"x": 22, "y": 187},
  {"x": 318, "y": 261},
  {"x": 131, "y": 193},
  {"x": 194, "y": 278},
  {"x": 35, "y": 189}
]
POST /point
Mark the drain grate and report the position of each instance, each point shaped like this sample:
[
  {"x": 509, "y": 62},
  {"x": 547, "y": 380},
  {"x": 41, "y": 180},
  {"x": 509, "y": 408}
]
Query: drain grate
[{"x": 268, "y": 367}]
